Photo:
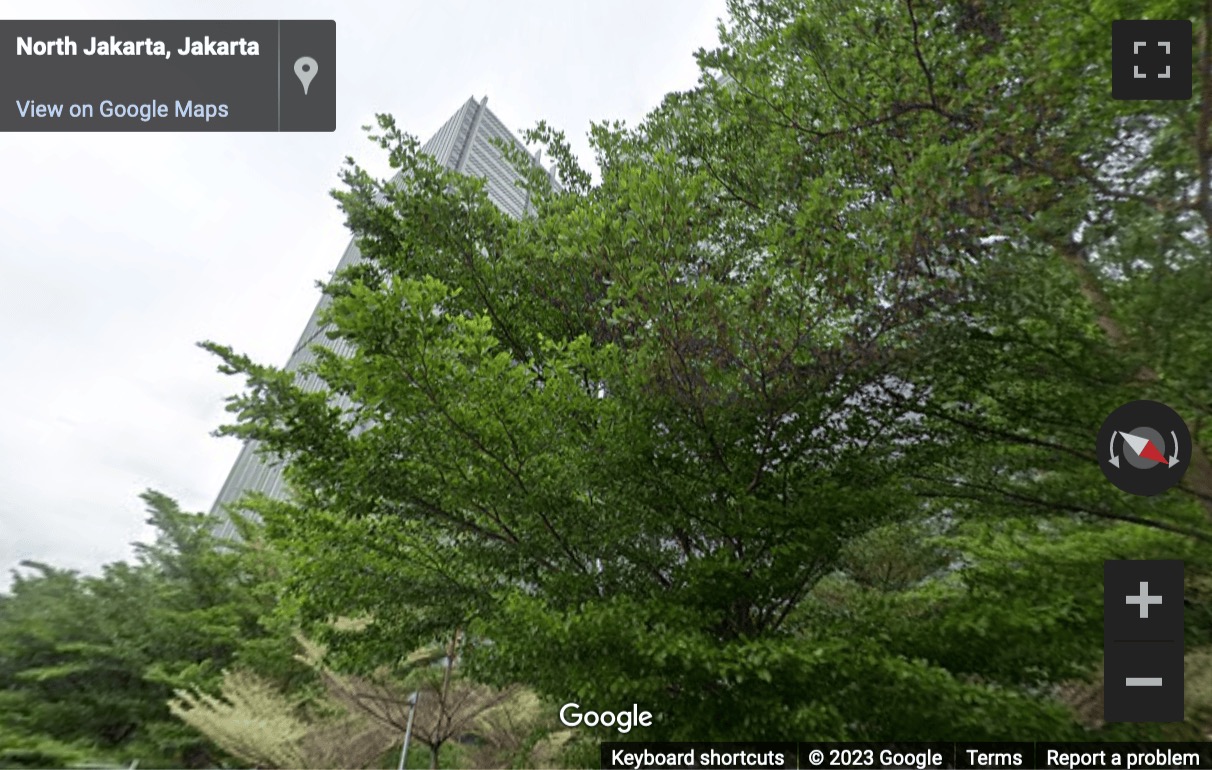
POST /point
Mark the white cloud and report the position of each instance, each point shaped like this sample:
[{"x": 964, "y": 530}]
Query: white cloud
[{"x": 118, "y": 252}]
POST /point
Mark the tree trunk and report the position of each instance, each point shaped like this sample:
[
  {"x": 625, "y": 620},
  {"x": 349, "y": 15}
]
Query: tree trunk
[{"x": 1198, "y": 480}]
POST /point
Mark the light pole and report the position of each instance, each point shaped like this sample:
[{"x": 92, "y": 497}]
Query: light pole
[{"x": 412, "y": 710}]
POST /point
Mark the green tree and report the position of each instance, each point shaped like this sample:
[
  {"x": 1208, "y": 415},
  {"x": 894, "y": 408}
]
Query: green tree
[
  {"x": 782, "y": 427},
  {"x": 91, "y": 662}
]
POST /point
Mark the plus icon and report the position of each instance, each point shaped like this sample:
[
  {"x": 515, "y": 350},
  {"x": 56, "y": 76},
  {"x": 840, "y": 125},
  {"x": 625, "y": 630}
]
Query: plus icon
[
  {"x": 1143, "y": 641},
  {"x": 1144, "y": 600}
]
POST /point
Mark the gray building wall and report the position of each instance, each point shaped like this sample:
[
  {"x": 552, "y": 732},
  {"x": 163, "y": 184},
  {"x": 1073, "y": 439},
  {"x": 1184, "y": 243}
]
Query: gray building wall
[{"x": 461, "y": 144}]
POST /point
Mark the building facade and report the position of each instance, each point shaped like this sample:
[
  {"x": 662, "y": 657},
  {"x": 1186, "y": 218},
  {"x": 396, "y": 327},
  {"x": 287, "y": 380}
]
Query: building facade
[{"x": 462, "y": 144}]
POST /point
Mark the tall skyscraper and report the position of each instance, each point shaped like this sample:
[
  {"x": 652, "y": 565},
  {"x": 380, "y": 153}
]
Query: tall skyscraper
[{"x": 461, "y": 144}]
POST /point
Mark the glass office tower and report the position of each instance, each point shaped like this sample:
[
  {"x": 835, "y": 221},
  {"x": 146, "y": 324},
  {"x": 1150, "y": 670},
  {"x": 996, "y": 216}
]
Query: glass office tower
[{"x": 461, "y": 144}]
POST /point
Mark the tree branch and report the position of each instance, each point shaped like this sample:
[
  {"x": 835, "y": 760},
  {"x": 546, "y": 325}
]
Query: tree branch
[
  {"x": 1062, "y": 507},
  {"x": 1198, "y": 480}
]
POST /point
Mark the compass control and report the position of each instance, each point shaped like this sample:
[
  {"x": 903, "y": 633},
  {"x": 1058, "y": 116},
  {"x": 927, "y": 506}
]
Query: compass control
[{"x": 1144, "y": 448}]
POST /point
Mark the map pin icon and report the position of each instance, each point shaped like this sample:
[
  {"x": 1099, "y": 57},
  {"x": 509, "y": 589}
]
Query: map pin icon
[{"x": 305, "y": 70}]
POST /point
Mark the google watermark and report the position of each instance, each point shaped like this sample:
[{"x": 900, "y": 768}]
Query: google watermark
[{"x": 572, "y": 716}]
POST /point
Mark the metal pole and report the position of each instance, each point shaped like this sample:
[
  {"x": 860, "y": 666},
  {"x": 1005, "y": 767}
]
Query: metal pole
[{"x": 412, "y": 710}]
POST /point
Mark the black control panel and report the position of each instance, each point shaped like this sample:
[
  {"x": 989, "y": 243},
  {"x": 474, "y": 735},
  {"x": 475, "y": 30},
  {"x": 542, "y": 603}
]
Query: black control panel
[{"x": 1143, "y": 641}]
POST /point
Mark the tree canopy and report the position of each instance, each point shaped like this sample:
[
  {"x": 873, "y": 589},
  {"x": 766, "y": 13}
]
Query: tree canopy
[
  {"x": 88, "y": 664},
  {"x": 782, "y": 424}
]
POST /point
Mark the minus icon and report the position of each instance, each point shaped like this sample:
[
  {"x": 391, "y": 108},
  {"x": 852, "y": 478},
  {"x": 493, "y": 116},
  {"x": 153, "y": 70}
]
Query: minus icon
[{"x": 1143, "y": 681}]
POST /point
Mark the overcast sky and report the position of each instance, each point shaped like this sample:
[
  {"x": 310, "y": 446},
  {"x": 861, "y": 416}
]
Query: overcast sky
[{"x": 118, "y": 252}]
